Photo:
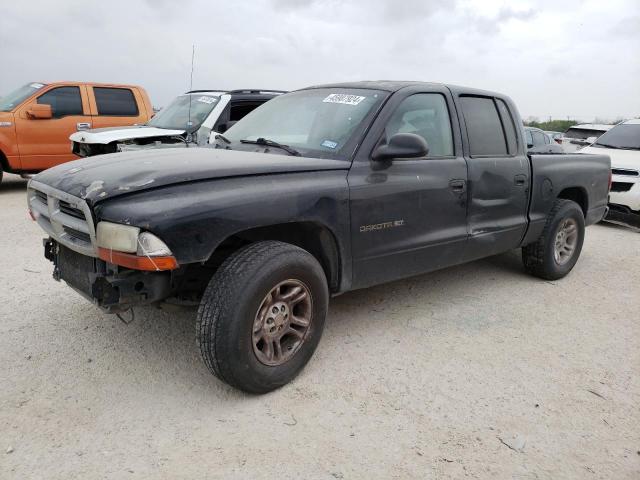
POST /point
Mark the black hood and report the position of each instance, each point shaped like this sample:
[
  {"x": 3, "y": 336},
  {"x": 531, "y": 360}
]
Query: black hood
[{"x": 106, "y": 176}]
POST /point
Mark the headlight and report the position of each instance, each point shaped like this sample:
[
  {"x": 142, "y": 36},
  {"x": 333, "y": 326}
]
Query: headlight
[
  {"x": 129, "y": 247},
  {"x": 123, "y": 238}
]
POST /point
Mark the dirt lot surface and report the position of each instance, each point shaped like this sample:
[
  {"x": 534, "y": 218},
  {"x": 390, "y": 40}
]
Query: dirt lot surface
[{"x": 478, "y": 371}]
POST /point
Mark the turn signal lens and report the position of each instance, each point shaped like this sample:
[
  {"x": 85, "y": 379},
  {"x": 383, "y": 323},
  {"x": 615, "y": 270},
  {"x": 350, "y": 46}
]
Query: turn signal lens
[
  {"x": 136, "y": 262},
  {"x": 151, "y": 246}
]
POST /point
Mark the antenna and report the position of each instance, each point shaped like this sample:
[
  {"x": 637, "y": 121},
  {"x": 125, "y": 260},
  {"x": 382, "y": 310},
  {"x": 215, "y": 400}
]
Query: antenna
[{"x": 193, "y": 54}]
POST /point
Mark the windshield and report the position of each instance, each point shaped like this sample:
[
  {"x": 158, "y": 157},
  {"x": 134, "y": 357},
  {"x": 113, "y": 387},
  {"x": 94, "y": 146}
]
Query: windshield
[
  {"x": 16, "y": 97},
  {"x": 319, "y": 121},
  {"x": 176, "y": 114},
  {"x": 625, "y": 136}
]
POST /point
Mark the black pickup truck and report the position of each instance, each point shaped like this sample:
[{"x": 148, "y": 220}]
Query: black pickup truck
[{"x": 315, "y": 193}]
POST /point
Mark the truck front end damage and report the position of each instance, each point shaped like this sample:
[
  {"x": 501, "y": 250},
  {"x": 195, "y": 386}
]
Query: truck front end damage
[
  {"x": 83, "y": 258},
  {"x": 111, "y": 287}
]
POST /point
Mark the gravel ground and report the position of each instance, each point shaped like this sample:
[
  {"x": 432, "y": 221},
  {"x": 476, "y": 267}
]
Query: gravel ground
[{"x": 477, "y": 371}]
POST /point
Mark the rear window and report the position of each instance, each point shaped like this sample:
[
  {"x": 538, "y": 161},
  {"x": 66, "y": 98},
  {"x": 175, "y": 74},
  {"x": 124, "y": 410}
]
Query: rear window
[
  {"x": 115, "y": 102},
  {"x": 484, "y": 129}
]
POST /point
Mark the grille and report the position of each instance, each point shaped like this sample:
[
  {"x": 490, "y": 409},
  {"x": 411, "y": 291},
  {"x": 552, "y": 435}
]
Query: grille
[
  {"x": 624, "y": 171},
  {"x": 64, "y": 217},
  {"x": 77, "y": 234},
  {"x": 71, "y": 210},
  {"x": 41, "y": 196},
  {"x": 621, "y": 186}
]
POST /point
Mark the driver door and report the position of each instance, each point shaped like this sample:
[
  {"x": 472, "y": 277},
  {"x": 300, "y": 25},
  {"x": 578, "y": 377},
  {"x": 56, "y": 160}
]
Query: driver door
[
  {"x": 409, "y": 216},
  {"x": 44, "y": 143}
]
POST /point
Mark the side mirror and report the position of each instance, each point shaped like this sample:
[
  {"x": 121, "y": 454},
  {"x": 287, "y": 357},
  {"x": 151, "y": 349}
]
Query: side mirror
[
  {"x": 402, "y": 145},
  {"x": 40, "y": 111}
]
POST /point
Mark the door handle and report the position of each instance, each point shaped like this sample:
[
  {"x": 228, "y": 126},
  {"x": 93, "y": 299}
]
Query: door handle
[
  {"x": 83, "y": 126},
  {"x": 457, "y": 186},
  {"x": 520, "y": 180}
]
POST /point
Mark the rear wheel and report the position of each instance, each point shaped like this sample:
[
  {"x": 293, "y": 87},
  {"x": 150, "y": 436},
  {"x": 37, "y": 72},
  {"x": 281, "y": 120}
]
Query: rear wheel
[
  {"x": 557, "y": 250},
  {"x": 262, "y": 316}
]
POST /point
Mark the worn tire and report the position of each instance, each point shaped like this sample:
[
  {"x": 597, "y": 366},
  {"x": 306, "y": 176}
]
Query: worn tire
[
  {"x": 225, "y": 320},
  {"x": 538, "y": 257}
]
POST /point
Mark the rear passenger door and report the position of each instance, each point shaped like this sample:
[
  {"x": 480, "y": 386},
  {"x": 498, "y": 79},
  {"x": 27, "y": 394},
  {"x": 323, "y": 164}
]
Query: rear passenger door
[
  {"x": 115, "y": 107},
  {"x": 499, "y": 175}
]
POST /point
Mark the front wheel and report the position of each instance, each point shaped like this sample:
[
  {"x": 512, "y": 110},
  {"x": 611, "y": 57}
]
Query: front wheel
[
  {"x": 262, "y": 316},
  {"x": 557, "y": 250}
]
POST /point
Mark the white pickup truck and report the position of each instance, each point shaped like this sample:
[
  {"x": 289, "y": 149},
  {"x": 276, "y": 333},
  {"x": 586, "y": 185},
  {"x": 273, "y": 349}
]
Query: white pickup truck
[
  {"x": 622, "y": 144},
  {"x": 189, "y": 118}
]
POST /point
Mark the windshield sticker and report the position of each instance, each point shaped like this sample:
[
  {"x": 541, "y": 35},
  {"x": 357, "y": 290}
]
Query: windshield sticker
[
  {"x": 37, "y": 85},
  {"x": 329, "y": 144},
  {"x": 207, "y": 100},
  {"x": 344, "y": 99}
]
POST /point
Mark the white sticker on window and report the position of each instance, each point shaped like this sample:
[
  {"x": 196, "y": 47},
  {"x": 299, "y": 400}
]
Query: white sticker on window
[
  {"x": 329, "y": 144},
  {"x": 37, "y": 85},
  {"x": 208, "y": 100},
  {"x": 344, "y": 99}
]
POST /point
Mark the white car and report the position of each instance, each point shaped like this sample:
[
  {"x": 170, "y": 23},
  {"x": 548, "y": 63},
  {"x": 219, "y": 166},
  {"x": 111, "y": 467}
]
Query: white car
[
  {"x": 582, "y": 135},
  {"x": 189, "y": 118},
  {"x": 622, "y": 144}
]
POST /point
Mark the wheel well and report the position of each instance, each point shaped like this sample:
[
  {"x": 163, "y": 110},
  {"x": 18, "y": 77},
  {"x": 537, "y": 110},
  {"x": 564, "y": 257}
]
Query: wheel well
[
  {"x": 4, "y": 163},
  {"x": 577, "y": 195},
  {"x": 310, "y": 236},
  {"x": 315, "y": 238}
]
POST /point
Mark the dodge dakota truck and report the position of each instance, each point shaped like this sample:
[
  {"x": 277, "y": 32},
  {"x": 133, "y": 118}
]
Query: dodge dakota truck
[{"x": 315, "y": 193}]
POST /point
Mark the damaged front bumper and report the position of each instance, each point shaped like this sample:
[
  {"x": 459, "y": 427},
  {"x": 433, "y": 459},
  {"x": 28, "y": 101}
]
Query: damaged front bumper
[{"x": 114, "y": 289}]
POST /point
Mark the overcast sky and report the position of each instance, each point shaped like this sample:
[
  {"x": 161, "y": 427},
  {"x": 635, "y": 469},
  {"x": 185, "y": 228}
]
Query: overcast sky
[{"x": 578, "y": 59}]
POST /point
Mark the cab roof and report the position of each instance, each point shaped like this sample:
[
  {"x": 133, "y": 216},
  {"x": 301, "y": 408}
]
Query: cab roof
[
  {"x": 95, "y": 84},
  {"x": 395, "y": 85}
]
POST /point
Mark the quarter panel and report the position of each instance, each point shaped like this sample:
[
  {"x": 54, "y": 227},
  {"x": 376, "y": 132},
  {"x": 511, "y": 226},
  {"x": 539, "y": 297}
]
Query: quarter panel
[{"x": 551, "y": 174}]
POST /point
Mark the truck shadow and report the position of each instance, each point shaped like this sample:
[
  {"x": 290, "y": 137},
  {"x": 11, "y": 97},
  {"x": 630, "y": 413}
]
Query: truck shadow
[
  {"x": 12, "y": 183},
  {"x": 164, "y": 340}
]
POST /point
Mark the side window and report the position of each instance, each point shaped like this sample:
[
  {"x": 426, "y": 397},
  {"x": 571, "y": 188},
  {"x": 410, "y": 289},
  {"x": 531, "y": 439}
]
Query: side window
[
  {"x": 484, "y": 128},
  {"x": 239, "y": 110},
  {"x": 63, "y": 100},
  {"x": 118, "y": 102},
  {"x": 547, "y": 140},
  {"x": 509, "y": 126},
  {"x": 424, "y": 114}
]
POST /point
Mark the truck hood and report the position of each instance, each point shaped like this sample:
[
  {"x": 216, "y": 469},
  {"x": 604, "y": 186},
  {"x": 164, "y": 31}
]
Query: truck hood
[
  {"x": 619, "y": 158},
  {"x": 119, "y": 134},
  {"x": 107, "y": 176}
]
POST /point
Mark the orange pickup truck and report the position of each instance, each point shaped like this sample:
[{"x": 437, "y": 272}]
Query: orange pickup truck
[{"x": 37, "y": 119}]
